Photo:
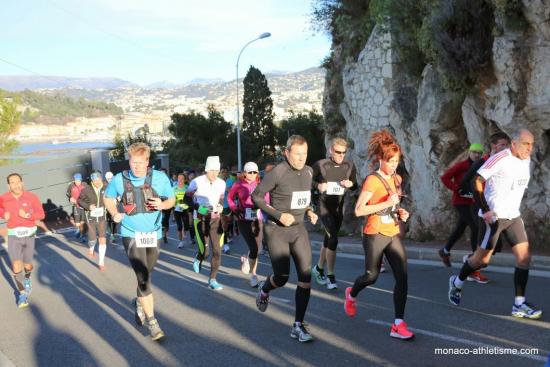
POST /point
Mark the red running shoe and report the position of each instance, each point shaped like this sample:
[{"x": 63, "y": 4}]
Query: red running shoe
[
  {"x": 476, "y": 276},
  {"x": 401, "y": 331},
  {"x": 350, "y": 305}
]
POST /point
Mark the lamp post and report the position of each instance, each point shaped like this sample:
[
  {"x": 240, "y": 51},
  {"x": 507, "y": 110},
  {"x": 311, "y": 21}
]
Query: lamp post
[{"x": 239, "y": 163}]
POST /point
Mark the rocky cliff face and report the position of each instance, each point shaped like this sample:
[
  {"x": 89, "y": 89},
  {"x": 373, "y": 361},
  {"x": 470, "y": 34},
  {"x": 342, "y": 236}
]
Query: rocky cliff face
[{"x": 434, "y": 125}]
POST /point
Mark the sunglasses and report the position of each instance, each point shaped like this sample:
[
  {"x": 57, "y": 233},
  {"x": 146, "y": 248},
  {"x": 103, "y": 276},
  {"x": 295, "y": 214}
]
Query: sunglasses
[
  {"x": 252, "y": 172},
  {"x": 340, "y": 152}
]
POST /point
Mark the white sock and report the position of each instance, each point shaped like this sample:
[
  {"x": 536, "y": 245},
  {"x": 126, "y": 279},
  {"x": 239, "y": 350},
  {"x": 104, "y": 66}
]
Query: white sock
[
  {"x": 102, "y": 251},
  {"x": 519, "y": 301},
  {"x": 398, "y": 321},
  {"x": 458, "y": 283}
]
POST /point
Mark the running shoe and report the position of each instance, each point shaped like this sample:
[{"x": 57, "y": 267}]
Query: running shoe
[
  {"x": 139, "y": 314},
  {"x": 331, "y": 282},
  {"x": 245, "y": 265},
  {"x": 180, "y": 244},
  {"x": 226, "y": 249},
  {"x": 214, "y": 285},
  {"x": 28, "y": 286},
  {"x": 253, "y": 281},
  {"x": 23, "y": 300},
  {"x": 454, "y": 292},
  {"x": 350, "y": 304},
  {"x": 401, "y": 331},
  {"x": 155, "y": 330},
  {"x": 196, "y": 265},
  {"x": 526, "y": 310},
  {"x": 301, "y": 333},
  {"x": 382, "y": 266},
  {"x": 477, "y": 277},
  {"x": 318, "y": 276},
  {"x": 262, "y": 299},
  {"x": 446, "y": 258}
]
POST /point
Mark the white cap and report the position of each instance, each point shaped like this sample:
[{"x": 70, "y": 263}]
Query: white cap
[
  {"x": 108, "y": 175},
  {"x": 212, "y": 163},
  {"x": 250, "y": 167}
]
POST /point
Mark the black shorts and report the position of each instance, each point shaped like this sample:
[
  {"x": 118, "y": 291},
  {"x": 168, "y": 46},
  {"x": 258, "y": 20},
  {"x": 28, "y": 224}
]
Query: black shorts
[
  {"x": 511, "y": 231},
  {"x": 78, "y": 214}
]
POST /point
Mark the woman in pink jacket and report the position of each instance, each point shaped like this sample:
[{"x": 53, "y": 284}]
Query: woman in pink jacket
[{"x": 249, "y": 219}]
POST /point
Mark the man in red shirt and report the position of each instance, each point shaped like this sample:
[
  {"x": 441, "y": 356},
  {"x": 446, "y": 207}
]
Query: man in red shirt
[
  {"x": 464, "y": 205},
  {"x": 21, "y": 209}
]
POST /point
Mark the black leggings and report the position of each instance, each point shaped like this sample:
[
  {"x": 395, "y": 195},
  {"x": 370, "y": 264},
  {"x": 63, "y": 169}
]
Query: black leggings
[
  {"x": 332, "y": 223},
  {"x": 209, "y": 231},
  {"x": 182, "y": 220},
  {"x": 466, "y": 218},
  {"x": 166, "y": 219},
  {"x": 143, "y": 261},
  {"x": 374, "y": 246},
  {"x": 252, "y": 232},
  {"x": 284, "y": 242}
]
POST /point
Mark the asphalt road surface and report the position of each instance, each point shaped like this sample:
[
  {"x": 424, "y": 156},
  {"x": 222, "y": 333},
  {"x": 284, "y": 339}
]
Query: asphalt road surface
[{"x": 79, "y": 316}]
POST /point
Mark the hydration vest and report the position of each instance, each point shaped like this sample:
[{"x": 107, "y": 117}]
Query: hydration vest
[
  {"x": 392, "y": 210},
  {"x": 134, "y": 198}
]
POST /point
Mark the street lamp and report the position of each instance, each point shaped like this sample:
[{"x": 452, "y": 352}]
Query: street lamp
[{"x": 239, "y": 165}]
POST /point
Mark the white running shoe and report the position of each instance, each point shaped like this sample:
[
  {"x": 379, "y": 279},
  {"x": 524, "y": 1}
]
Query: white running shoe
[
  {"x": 253, "y": 281},
  {"x": 180, "y": 244},
  {"x": 225, "y": 248}
]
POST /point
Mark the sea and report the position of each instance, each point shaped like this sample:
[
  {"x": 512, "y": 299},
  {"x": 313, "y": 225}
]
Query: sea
[{"x": 28, "y": 152}]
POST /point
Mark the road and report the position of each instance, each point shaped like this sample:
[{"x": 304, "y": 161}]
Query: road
[{"x": 79, "y": 316}]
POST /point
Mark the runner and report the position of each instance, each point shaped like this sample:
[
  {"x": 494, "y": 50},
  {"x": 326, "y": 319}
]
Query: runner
[
  {"x": 379, "y": 200},
  {"x": 166, "y": 213},
  {"x": 227, "y": 215},
  {"x": 111, "y": 225},
  {"x": 77, "y": 216},
  {"x": 331, "y": 177},
  {"x": 91, "y": 199},
  {"x": 21, "y": 209},
  {"x": 181, "y": 208},
  {"x": 289, "y": 188},
  {"x": 208, "y": 192},
  {"x": 140, "y": 227},
  {"x": 465, "y": 207},
  {"x": 249, "y": 220},
  {"x": 505, "y": 176}
]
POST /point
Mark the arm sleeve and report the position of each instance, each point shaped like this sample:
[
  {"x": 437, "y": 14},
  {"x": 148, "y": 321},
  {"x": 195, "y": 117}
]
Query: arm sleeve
[
  {"x": 479, "y": 198},
  {"x": 317, "y": 176},
  {"x": 38, "y": 210},
  {"x": 448, "y": 177},
  {"x": 353, "y": 177},
  {"x": 258, "y": 196},
  {"x": 84, "y": 199},
  {"x": 231, "y": 195}
]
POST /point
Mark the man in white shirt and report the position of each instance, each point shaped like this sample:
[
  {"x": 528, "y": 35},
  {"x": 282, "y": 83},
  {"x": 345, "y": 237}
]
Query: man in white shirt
[
  {"x": 505, "y": 176},
  {"x": 208, "y": 191}
]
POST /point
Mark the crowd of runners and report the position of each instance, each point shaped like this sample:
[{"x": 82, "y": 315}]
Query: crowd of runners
[{"x": 136, "y": 207}]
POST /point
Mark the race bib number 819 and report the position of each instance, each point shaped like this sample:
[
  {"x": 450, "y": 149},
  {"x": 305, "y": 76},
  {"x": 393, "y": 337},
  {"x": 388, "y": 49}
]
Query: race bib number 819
[{"x": 300, "y": 199}]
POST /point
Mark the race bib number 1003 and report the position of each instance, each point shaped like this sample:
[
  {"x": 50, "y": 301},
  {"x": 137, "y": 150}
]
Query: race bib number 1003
[
  {"x": 300, "y": 199},
  {"x": 146, "y": 239}
]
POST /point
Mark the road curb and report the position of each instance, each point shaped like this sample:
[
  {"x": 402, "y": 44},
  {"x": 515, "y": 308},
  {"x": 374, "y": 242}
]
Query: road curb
[{"x": 427, "y": 253}]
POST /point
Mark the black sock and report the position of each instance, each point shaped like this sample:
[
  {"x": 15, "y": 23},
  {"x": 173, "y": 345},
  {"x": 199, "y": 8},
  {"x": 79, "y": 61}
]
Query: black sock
[
  {"x": 465, "y": 271},
  {"x": 520, "y": 281},
  {"x": 267, "y": 285},
  {"x": 332, "y": 278},
  {"x": 301, "y": 299},
  {"x": 320, "y": 270}
]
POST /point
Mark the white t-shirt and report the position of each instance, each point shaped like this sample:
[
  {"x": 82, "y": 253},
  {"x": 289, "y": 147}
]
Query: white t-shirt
[
  {"x": 207, "y": 193},
  {"x": 506, "y": 179}
]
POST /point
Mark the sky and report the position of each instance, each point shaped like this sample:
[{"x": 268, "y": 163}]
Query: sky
[{"x": 146, "y": 41}]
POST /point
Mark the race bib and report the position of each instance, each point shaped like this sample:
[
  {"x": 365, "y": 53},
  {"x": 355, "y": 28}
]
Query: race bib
[
  {"x": 300, "y": 199},
  {"x": 250, "y": 214},
  {"x": 386, "y": 219},
  {"x": 146, "y": 239},
  {"x": 97, "y": 212},
  {"x": 22, "y": 231},
  {"x": 334, "y": 188}
]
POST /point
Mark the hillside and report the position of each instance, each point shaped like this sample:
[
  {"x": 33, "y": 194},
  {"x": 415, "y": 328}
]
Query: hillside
[{"x": 57, "y": 108}]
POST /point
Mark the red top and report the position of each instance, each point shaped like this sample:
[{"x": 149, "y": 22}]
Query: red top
[
  {"x": 28, "y": 202},
  {"x": 451, "y": 179}
]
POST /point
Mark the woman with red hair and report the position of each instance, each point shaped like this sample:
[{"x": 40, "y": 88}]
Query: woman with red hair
[{"x": 379, "y": 201}]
